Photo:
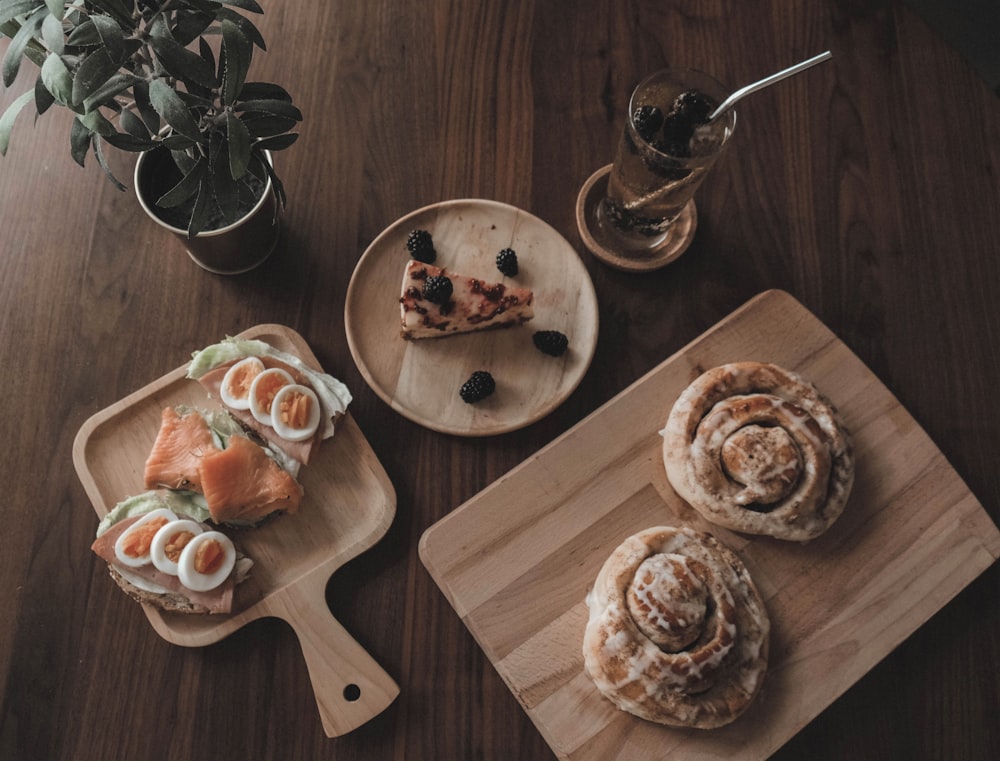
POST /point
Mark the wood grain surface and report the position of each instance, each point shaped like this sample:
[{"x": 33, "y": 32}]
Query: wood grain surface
[
  {"x": 518, "y": 560},
  {"x": 866, "y": 188}
]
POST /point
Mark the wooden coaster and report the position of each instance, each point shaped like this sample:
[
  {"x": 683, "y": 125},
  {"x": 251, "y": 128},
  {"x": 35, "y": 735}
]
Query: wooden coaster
[{"x": 676, "y": 243}]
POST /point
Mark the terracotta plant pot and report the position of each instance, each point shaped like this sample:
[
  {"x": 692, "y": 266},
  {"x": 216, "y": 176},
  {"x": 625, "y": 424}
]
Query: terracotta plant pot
[{"x": 229, "y": 250}]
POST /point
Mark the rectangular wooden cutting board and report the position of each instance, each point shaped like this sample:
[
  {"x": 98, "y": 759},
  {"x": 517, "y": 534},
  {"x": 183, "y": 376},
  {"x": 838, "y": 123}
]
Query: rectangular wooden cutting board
[{"x": 517, "y": 560}]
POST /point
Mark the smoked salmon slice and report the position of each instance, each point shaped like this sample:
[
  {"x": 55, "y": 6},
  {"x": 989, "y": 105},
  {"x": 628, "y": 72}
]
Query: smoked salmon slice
[
  {"x": 242, "y": 484},
  {"x": 181, "y": 444}
]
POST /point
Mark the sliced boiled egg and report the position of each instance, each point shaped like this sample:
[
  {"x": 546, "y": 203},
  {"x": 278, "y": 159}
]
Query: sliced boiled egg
[
  {"x": 133, "y": 546},
  {"x": 206, "y": 561},
  {"x": 170, "y": 541},
  {"x": 263, "y": 390},
  {"x": 235, "y": 390},
  {"x": 295, "y": 412}
]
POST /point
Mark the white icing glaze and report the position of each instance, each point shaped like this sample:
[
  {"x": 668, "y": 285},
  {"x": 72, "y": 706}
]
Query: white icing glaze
[{"x": 693, "y": 686}]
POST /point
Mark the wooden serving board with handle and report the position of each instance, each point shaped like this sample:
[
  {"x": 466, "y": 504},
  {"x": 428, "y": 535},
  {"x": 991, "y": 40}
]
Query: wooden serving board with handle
[
  {"x": 517, "y": 560},
  {"x": 348, "y": 506}
]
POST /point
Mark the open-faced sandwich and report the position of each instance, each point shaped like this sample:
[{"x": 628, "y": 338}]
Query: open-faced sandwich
[
  {"x": 208, "y": 452},
  {"x": 160, "y": 550},
  {"x": 273, "y": 393}
]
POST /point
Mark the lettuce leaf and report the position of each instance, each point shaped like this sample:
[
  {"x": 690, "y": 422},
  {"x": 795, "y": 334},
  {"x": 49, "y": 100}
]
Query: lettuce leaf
[
  {"x": 334, "y": 396},
  {"x": 183, "y": 503}
]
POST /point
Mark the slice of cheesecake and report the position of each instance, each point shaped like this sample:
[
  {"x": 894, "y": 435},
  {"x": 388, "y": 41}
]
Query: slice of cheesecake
[{"x": 429, "y": 310}]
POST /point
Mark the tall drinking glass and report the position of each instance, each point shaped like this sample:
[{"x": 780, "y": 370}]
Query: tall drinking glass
[{"x": 666, "y": 149}]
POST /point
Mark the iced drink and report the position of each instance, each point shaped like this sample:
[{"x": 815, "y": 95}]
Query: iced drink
[{"x": 666, "y": 148}]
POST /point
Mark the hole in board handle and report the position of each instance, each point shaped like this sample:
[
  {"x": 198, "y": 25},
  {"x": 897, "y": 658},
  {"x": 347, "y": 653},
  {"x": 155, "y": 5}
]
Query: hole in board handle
[{"x": 352, "y": 692}]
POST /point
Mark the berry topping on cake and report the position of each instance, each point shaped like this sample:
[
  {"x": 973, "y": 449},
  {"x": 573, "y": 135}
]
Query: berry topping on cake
[
  {"x": 550, "y": 342},
  {"x": 479, "y": 386},
  {"x": 420, "y": 244},
  {"x": 507, "y": 262},
  {"x": 429, "y": 308},
  {"x": 438, "y": 289}
]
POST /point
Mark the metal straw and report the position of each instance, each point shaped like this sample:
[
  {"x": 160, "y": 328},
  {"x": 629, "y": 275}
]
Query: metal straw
[{"x": 728, "y": 102}]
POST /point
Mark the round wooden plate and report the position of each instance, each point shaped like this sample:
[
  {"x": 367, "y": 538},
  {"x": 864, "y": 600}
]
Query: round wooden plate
[{"x": 420, "y": 379}]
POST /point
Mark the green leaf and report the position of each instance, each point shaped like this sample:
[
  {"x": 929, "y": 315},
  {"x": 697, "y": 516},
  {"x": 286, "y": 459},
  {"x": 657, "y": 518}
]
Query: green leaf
[
  {"x": 119, "y": 10},
  {"x": 268, "y": 126},
  {"x": 236, "y": 56},
  {"x": 117, "y": 84},
  {"x": 18, "y": 43},
  {"x": 125, "y": 142},
  {"x": 278, "y": 142},
  {"x": 111, "y": 35},
  {"x": 57, "y": 79},
  {"x": 184, "y": 189},
  {"x": 270, "y": 106},
  {"x": 223, "y": 184},
  {"x": 43, "y": 98},
  {"x": 279, "y": 189},
  {"x": 264, "y": 91},
  {"x": 140, "y": 91},
  {"x": 183, "y": 159},
  {"x": 199, "y": 217},
  {"x": 93, "y": 72},
  {"x": 246, "y": 26},
  {"x": 7, "y": 120},
  {"x": 169, "y": 105},
  {"x": 132, "y": 124},
  {"x": 207, "y": 53},
  {"x": 52, "y": 34},
  {"x": 191, "y": 25},
  {"x": 14, "y": 8},
  {"x": 247, "y": 5},
  {"x": 180, "y": 62},
  {"x": 239, "y": 146},
  {"x": 84, "y": 35},
  {"x": 99, "y": 152},
  {"x": 178, "y": 143},
  {"x": 56, "y": 8},
  {"x": 97, "y": 123},
  {"x": 79, "y": 141}
]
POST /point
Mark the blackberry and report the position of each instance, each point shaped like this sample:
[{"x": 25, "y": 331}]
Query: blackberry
[
  {"x": 420, "y": 244},
  {"x": 693, "y": 106},
  {"x": 550, "y": 342},
  {"x": 675, "y": 137},
  {"x": 507, "y": 262},
  {"x": 479, "y": 386},
  {"x": 437, "y": 289},
  {"x": 647, "y": 121}
]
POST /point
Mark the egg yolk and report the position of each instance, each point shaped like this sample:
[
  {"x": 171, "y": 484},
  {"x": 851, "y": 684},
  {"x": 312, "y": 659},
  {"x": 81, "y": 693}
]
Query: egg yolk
[
  {"x": 267, "y": 387},
  {"x": 137, "y": 542},
  {"x": 176, "y": 543},
  {"x": 294, "y": 410},
  {"x": 241, "y": 378},
  {"x": 208, "y": 556}
]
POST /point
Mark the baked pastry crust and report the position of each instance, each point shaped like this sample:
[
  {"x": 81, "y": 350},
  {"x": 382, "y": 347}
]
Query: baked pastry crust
[
  {"x": 677, "y": 633},
  {"x": 758, "y": 449},
  {"x": 474, "y": 304}
]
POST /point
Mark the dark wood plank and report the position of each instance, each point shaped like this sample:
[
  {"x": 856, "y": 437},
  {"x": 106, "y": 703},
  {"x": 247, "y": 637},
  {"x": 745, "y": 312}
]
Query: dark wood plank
[{"x": 867, "y": 188}]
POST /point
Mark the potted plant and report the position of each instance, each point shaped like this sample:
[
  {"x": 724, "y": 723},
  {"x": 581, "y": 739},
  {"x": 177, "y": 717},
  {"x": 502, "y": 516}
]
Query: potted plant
[{"x": 166, "y": 79}]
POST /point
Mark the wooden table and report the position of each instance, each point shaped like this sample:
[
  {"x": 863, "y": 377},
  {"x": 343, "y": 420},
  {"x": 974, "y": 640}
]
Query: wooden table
[{"x": 867, "y": 188}]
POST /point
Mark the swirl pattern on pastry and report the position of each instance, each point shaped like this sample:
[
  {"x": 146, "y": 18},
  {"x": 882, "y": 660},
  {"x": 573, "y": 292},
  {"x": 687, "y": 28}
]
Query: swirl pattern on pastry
[
  {"x": 677, "y": 633},
  {"x": 755, "y": 448}
]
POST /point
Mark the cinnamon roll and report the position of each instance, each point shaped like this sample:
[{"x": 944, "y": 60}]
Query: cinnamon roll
[
  {"x": 756, "y": 448},
  {"x": 677, "y": 633}
]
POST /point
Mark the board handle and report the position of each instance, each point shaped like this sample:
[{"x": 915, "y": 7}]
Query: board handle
[{"x": 350, "y": 686}]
